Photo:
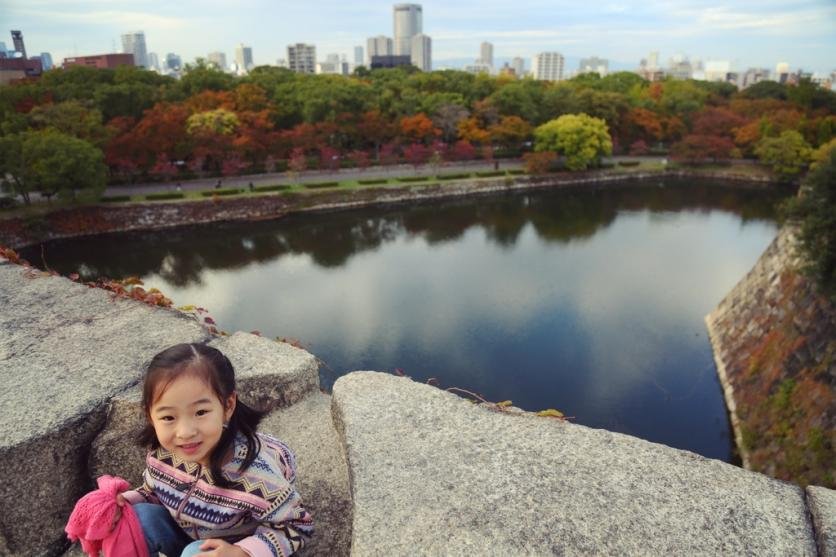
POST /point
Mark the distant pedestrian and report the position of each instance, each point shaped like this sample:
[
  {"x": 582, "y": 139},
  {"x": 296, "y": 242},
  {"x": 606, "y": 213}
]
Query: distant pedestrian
[
  {"x": 218, "y": 185},
  {"x": 251, "y": 186}
]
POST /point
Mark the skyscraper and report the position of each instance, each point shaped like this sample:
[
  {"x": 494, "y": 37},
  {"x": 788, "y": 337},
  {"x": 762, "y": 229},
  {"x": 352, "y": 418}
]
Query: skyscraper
[
  {"x": 153, "y": 61},
  {"x": 218, "y": 59},
  {"x": 518, "y": 65},
  {"x": 134, "y": 43},
  {"x": 379, "y": 46},
  {"x": 421, "y": 52},
  {"x": 547, "y": 66},
  {"x": 358, "y": 56},
  {"x": 407, "y": 23},
  {"x": 17, "y": 39},
  {"x": 244, "y": 58},
  {"x": 46, "y": 60},
  {"x": 486, "y": 54},
  {"x": 301, "y": 58},
  {"x": 593, "y": 64}
]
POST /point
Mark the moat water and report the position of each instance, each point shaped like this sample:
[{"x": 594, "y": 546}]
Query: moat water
[{"x": 590, "y": 301}]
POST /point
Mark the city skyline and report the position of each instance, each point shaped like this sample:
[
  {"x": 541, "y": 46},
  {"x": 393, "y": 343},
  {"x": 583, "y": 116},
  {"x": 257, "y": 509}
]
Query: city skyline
[{"x": 746, "y": 33}]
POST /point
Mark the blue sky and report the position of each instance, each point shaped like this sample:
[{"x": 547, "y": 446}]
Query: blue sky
[{"x": 748, "y": 33}]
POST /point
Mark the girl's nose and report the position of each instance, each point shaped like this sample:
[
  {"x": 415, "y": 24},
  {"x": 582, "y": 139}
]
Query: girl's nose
[{"x": 186, "y": 429}]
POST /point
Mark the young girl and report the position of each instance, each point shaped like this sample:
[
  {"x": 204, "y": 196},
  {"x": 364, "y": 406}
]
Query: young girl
[{"x": 210, "y": 477}]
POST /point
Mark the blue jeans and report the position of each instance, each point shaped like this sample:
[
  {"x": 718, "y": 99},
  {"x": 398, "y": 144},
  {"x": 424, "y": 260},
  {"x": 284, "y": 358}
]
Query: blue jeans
[{"x": 162, "y": 534}]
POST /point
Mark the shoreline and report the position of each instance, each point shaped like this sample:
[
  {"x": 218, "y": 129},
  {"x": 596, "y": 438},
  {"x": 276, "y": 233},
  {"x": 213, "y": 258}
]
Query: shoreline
[{"x": 94, "y": 220}]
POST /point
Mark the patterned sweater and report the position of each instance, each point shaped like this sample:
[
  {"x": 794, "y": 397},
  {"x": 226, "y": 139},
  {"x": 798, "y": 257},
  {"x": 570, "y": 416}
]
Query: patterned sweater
[{"x": 261, "y": 512}]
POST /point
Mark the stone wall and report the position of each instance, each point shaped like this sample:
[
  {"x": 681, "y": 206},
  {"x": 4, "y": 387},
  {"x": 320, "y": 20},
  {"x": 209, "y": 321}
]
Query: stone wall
[{"x": 774, "y": 340}]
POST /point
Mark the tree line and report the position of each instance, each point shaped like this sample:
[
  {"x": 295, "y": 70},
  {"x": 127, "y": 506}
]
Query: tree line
[{"x": 75, "y": 129}]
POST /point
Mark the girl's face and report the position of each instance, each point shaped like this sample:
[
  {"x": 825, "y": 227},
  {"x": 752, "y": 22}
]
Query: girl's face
[{"x": 188, "y": 418}]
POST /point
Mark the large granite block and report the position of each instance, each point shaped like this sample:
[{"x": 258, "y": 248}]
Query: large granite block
[{"x": 433, "y": 474}]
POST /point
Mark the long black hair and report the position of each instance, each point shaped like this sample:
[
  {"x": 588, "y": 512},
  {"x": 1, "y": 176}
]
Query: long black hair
[{"x": 216, "y": 369}]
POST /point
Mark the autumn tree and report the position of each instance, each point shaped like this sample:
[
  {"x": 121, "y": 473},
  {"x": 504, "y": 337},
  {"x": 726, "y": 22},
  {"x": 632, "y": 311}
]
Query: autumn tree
[
  {"x": 540, "y": 162},
  {"x": 582, "y": 139},
  {"x": 447, "y": 118},
  {"x": 787, "y": 155},
  {"x": 510, "y": 131},
  {"x": 695, "y": 149},
  {"x": 418, "y": 128}
]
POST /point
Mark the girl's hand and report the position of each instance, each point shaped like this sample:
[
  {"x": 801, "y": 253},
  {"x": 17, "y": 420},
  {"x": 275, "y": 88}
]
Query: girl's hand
[
  {"x": 220, "y": 548},
  {"x": 120, "y": 502}
]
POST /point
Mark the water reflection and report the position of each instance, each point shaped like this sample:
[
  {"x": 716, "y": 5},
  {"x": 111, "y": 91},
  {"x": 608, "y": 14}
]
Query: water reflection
[{"x": 590, "y": 301}]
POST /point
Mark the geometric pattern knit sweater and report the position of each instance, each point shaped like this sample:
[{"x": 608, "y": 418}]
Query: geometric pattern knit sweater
[{"x": 261, "y": 512}]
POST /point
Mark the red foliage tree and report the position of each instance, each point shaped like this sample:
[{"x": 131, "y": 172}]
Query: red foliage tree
[
  {"x": 417, "y": 154},
  {"x": 329, "y": 158},
  {"x": 164, "y": 168},
  {"x": 703, "y": 148},
  {"x": 638, "y": 148},
  {"x": 717, "y": 121},
  {"x": 462, "y": 151},
  {"x": 360, "y": 158}
]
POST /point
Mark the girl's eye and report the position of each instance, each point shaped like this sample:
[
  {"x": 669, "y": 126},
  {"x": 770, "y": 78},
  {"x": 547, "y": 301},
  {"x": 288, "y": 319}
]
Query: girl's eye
[
  {"x": 202, "y": 412},
  {"x": 166, "y": 418}
]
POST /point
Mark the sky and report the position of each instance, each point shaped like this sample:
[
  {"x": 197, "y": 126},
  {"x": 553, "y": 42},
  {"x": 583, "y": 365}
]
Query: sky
[{"x": 747, "y": 33}]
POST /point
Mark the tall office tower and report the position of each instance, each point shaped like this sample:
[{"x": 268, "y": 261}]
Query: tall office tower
[
  {"x": 407, "y": 23},
  {"x": 593, "y": 64},
  {"x": 358, "y": 56},
  {"x": 153, "y": 61},
  {"x": 518, "y": 65},
  {"x": 244, "y": 58},
  {"x": 782, "y": 71},
  {"x": 134, "y": 43},
  {"x": 17, "y": 39},
  {"x": 46, "y": 60},
  {"x": 173, "y": 63},
  {"x": 301, "y": 58},
  {"x": 379, "y": 46},
  {"x": 486, "y": 54},
  {"x": 547, "y": 66},
  {"x": 218, "y": 59},
  {"x": 653, "y": 60},
  {"x": 421, "y": 52}
]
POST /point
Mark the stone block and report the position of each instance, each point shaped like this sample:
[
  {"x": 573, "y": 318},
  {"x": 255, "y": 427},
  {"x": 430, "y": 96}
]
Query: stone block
[
  {"x": 65, "y": 351},
  {"x": 822, "y": 504},
  {"x": 434, "y": 474},
  {"x": 269, "y": 374}
]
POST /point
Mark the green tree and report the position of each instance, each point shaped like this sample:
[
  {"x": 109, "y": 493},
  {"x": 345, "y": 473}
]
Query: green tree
[
  {"x": 71, "y": 118},
  {"x": 53, "y": 163},
  {"x": 582, "y": 139},
  {"x": 787, "y": 155},
  {"x": 814, "y": 210}
]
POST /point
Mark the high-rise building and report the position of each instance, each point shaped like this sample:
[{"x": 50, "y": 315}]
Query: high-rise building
[
  {"x": 153, "y": 61},
  {"x": 218, "y": 59},
  {"x": 421, "y": 52},
  {"x": 680, "y": 67},
  {"x": 301, "y": 58},
  {"x": 333, "y": 64},
  {"x": 358, "y": 56},
  {"x": 244, "y": 58},
  {"x": 593, "y": 64},
  {"x": 653, "y": 60},
  {"x": 518, "y": 65},
  {"x": 134, "y": 43},
  {"x": 782, "y": 71},
  {"x": 486, "y": 54},
  {"x": 173, "y": 63},
  {"x": 17, "y": 40},
  {"x": 46, "y": 61},
  {"x": 547, "y": 66},
  {"x": 379, "y": 46},
  {"x": 752, "y": 76},
  {"x": 407, "y": 23},
  {"x": 717, "y": 70}
]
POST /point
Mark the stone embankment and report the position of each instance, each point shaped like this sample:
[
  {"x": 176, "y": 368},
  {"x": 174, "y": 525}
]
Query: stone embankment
[
  {"x": 774, "y": 340},
  {"x": 387, "y": 466},
  {"x": 103, "y": 219}
]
